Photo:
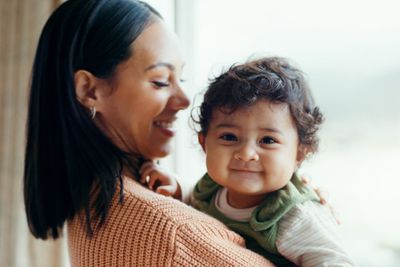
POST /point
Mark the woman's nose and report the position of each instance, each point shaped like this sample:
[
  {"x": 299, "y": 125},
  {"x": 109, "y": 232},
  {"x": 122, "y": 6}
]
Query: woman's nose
[
  {"x": 180, "y": 100},
  {"x": 246, "y": 153}
]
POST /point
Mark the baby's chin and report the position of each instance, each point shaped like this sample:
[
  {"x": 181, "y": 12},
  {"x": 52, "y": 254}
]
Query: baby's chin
[{"x": 250, "y": 189}]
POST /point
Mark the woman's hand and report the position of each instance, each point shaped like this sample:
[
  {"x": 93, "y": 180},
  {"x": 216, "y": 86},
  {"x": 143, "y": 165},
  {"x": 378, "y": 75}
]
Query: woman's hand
[
  {"x": 159, "y": 180},
  {"x": 323, "y": 196}
]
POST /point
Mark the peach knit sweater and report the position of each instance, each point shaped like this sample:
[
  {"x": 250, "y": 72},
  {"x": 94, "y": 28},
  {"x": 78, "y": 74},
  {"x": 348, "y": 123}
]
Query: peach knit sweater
[{"x": 152, "y": 230}]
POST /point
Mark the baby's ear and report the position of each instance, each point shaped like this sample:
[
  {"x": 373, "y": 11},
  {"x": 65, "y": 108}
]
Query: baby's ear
[
  {"x": 202, "y": 140},
  {"x": 302, "y": 153}
]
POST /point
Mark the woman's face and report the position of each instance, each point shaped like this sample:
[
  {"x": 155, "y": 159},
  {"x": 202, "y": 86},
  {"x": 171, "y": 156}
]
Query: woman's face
[{"x": 140, "y": 104}]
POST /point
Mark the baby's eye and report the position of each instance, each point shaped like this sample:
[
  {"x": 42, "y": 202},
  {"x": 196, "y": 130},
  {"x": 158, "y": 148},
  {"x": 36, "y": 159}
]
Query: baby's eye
[
  {"x": 160, "y": 84},
  {"x": 228, "y": 137},
  {"x": 267, "y": 140}
]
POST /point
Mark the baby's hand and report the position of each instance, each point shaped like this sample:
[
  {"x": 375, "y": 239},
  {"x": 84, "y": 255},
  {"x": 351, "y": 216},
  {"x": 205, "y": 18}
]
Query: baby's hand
[{"x": 159, "y": 180}]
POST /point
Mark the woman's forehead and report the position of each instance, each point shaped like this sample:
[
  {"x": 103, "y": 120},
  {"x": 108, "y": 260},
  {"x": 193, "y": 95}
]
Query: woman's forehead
[{"x": 157, "y": 44}]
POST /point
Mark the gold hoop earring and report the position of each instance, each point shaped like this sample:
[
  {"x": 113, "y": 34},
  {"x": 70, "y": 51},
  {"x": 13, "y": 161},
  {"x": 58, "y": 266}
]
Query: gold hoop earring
[{"x": 92, "y": 112}]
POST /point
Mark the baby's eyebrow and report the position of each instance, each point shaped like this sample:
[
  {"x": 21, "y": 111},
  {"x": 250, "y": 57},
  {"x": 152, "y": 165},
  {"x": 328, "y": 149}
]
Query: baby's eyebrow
[
  {"x": 235, "y": 126},
  {"x": 226, "y": 125},
  {"x": 269, "y": 129}
]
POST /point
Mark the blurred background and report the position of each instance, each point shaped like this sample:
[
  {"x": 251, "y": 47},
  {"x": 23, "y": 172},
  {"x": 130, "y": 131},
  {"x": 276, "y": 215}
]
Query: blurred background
[{"x": 350, "y": 53}]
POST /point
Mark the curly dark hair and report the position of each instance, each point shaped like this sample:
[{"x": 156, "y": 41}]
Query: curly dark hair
[{"x": 270, "y": 78}]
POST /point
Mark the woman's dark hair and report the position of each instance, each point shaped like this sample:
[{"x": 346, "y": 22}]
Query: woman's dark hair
[
  {"x": 270, "y": 78},
  {"x": 70, "y": 164}
]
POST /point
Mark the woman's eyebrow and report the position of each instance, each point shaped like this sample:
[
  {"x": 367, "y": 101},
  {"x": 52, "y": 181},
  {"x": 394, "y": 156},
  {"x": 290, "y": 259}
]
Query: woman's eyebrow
[{"x": 160, "y": 64}]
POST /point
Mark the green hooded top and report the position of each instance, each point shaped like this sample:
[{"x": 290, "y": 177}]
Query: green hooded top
[{"x": 262, "y": 229}]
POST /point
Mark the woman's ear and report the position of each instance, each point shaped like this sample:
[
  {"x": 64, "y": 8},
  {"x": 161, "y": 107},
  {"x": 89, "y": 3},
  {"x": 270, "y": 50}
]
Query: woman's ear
[
  {"x": 202, "y": 140},
  {"x": 85, "y": 88}
]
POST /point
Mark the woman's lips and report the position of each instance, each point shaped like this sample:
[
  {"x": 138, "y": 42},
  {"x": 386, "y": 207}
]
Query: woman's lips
[{"x": 166, "y": 127}]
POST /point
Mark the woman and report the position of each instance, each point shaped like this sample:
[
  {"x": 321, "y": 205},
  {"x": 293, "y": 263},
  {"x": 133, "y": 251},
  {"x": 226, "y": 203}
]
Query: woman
[{"x": 105, "y": 92}]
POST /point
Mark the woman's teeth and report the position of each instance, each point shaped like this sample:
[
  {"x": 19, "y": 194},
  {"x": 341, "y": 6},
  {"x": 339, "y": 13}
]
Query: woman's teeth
[{"x": 164, "y": 124}]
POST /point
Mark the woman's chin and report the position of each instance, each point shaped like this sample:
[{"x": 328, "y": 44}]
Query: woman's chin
[{"x": 161, "y": 152}]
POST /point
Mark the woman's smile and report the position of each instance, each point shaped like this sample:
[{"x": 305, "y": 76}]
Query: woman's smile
[{"x": 167, "y": 127}]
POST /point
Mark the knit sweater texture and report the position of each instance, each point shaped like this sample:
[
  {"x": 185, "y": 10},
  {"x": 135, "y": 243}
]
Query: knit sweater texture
[{"x": 149, "y": 229}]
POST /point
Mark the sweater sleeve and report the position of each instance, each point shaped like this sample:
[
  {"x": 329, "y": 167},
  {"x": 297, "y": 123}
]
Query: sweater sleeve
[
  {"x": 149, "y": 229},
  {"x": 206, "y": 245},
  {"x": 308, "y": 236}
]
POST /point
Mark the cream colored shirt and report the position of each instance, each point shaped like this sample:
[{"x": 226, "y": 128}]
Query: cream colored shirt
[{"x": 308, "y": 235}]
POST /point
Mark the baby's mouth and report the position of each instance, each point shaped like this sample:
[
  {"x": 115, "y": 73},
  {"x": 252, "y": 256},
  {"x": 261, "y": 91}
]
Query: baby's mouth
[{"x": 245, "y": 170}]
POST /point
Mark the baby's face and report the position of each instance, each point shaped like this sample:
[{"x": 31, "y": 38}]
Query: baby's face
[{"x": 252, "y": 151}]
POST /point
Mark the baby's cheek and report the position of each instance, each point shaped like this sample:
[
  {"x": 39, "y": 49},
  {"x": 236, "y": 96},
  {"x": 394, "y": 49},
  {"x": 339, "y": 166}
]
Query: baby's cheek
[
  {"x": 210, "y": 164},
  {"x": 215, "y": 168}
]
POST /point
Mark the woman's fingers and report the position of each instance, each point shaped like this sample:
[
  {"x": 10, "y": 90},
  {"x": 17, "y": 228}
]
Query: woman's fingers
[
  {"x": 304, "y": 178},
  {"x": 335, "y": 214},
  {"x": 323, "y": 196}
]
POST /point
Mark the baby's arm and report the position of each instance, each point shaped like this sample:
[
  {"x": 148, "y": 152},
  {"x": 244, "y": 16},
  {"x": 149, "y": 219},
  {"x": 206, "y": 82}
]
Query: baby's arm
[
  {"x": 159, "y": 180},
  {"x": 308, "y": 236}
]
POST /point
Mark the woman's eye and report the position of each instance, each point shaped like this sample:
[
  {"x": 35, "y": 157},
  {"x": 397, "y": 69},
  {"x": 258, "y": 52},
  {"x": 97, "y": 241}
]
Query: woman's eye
[
  {"x": 267, "y": 140},
  {"x": 228, "y": 137},
  {"x": 160, "y": 84}
]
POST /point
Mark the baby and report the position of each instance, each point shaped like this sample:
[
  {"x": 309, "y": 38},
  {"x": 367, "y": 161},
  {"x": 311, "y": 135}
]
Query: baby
[{"x": 258, "y": 123}]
